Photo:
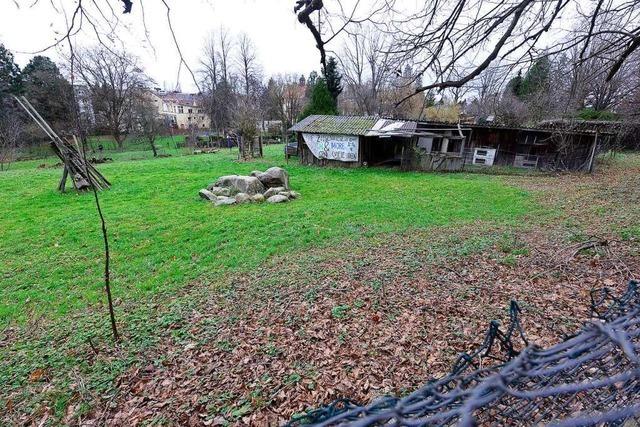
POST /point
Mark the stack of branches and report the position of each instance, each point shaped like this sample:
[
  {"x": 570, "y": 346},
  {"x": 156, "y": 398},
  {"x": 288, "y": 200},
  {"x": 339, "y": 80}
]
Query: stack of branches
[
  {"x": 592, "y": 378},
  {"x": 83, "y": 174}
]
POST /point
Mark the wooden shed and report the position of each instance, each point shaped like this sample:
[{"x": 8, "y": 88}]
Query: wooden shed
[
  {"x": 351, "y": 141},
  {"x": 551, "y": 145}
]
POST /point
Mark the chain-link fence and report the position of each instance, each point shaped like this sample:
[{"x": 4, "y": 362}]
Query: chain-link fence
[{"x": 592, "y": 378}]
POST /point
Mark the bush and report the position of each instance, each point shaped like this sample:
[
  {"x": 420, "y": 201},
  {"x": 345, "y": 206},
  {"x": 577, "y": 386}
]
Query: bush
[{"x": 591, "y": 114}]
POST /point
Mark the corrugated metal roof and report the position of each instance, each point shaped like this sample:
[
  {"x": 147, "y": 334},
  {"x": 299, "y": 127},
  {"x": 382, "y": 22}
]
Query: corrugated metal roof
[
  {"x": 390, "y": 127},
  {"x": 335, "y": 125}
]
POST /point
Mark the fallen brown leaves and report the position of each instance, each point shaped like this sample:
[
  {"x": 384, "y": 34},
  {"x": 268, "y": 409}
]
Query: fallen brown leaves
[{"x": 280, "y": 347}]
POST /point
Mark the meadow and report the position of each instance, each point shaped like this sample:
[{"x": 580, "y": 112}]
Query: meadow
[
  {"x": 163, "y": 236},
  {"x": 360, "y": 252}
]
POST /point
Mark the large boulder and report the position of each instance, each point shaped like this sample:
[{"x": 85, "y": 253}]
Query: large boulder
[
  {"x": 240, "y": 184},
  {"x": 243, "y": 198},
  {"x": 258, "y": 198},
  {"x": 278, "y": 198},
  {"x": 207, "y": 195},
  {"x": 273, "y": 191},
  {"x": 219, "y": 191},
  {"x": 225, "y": 201},
  {"x": 273, "y": 177}
]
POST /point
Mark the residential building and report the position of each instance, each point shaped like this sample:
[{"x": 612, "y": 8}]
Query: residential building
[{"x": 182, "y": 110}]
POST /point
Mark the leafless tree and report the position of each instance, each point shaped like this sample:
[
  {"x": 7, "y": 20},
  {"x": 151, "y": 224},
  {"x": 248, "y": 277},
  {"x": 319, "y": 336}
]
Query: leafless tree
[
  {"x": 511, "y": 110},
  {"x": 114, "y": 79},
  {"x": 210, "y": 64},
  {"x": 217, "y": 79},
  {"x": 225, "y": 45},
  {"x": 457, "y": 93},
  {"x": 578, "y": 84},
  {"x": 285, "y": 99},
  {"x": 148, "y": 121},
  {"x": 336, "y": 22},
  {"x": 488, "y": 89},
  {"x": 294, "y": 95},
  {"x": 101, "y": 19},
  {"x": 629, "y": 107},
  {"x": 469, "y": 36},
  {"x": 366, "y": 68},
  {"x": 607, "y": 94},
  {"x": 247, "y": 60},
  {"x": 246, "y": 120},
  {"x": 11, "y": 131}
]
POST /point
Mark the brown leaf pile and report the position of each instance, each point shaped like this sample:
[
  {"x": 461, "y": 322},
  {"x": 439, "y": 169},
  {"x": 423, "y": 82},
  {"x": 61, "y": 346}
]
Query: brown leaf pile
[{"x": 354, "y": 327}]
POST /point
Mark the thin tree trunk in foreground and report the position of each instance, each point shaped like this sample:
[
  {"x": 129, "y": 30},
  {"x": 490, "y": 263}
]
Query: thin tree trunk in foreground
[{"x": 107, "y": 255}]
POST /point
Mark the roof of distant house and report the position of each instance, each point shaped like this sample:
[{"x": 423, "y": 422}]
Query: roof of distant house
[{"x": 189, "y": 99}]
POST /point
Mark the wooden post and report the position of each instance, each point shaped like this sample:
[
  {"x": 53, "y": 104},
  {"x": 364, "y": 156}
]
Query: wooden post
[
  {"x": 63, "y": 181},
  {"x": 593, "y": 152}
]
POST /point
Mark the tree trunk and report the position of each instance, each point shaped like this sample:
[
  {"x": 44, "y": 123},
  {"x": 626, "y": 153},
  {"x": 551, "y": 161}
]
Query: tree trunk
[
  {"x": 119, "y": 141},
  {"x": 153, "y": 148}
]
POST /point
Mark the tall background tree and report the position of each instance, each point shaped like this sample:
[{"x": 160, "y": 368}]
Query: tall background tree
[
  {"x": 217, "y": 80},
  {"x": 148, "y": 123},
  {"x": 11, "y": 123},
  {"x": 114, "y": 79},
  {"x": 248, "y": 66},
  {"x": 10, "y": 76},
  {"x": 284, "y": 98},
  {"x": 333, "y": 80},
  {"x": 49, "y": 92},
  {"x": 321, "y": 101}
]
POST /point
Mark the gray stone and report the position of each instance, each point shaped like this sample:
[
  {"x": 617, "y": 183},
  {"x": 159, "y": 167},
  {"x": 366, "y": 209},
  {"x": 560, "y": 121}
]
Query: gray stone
[
  {"x": 225, "y": 201},
  {"x": 243, "y": 198},
  {"x": 241, "y": 184},
  {"x": 294, "y": 195},
  {"x": 273, "y": 191},
  {"x": 207, "y": 195},
  {"x": 286, "y": 194},
  {"x": 278, "y": 198},
  {"x": 273, "y": 177},
  {"x": 219, "y": 191},
  {"x": 258, "y": 198}
]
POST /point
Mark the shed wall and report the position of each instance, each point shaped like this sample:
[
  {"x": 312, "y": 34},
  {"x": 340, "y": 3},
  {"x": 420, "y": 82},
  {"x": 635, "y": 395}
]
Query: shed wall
[{"x": 308, "y": 158}]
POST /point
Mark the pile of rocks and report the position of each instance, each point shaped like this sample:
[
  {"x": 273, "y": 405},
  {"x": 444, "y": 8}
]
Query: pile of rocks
[{"x": 271, "y": 186}]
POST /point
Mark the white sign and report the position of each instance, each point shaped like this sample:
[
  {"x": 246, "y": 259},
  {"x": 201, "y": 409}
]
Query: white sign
[{"x": 333, "y": 147}]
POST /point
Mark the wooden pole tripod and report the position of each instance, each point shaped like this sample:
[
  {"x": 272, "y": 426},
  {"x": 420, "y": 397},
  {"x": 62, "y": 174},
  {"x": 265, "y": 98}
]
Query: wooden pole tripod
[{"x": 82, "y": 175}]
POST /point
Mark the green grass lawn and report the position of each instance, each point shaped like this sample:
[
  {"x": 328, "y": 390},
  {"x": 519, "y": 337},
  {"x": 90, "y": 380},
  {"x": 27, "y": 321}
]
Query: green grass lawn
[
  {"x": 134, "y": 149},
  {"x": 163, "y": 236}
]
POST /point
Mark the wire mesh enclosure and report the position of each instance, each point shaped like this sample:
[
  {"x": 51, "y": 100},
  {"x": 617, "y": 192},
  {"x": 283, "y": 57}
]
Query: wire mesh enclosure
[{"x": 592, "y": 378}]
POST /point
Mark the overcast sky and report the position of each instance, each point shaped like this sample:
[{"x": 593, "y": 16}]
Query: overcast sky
[{"x": 284, "y": 45}]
